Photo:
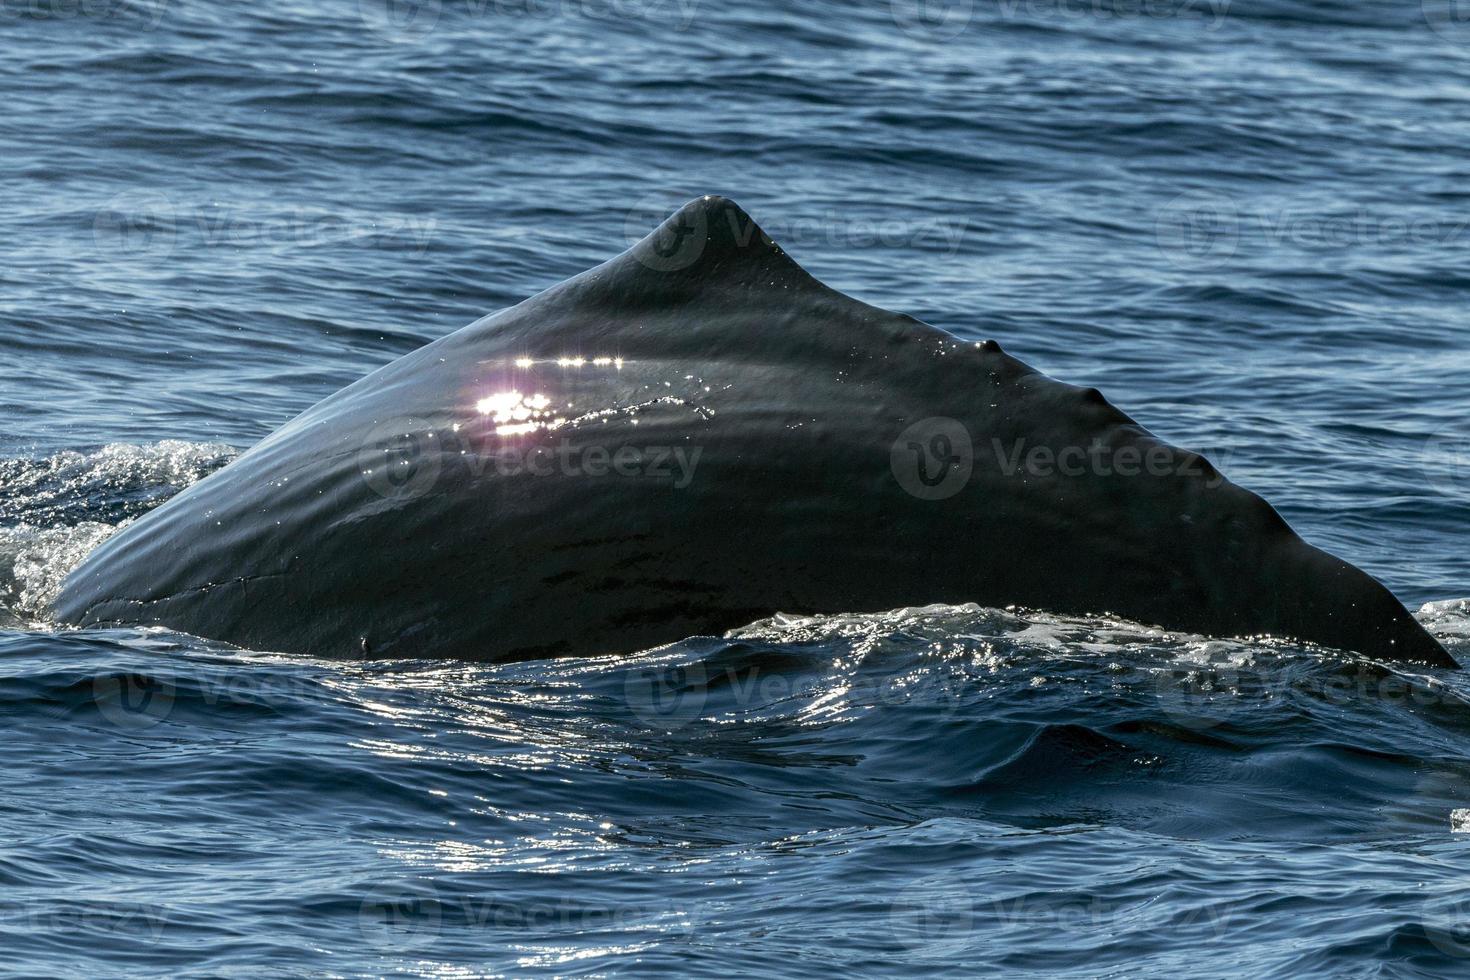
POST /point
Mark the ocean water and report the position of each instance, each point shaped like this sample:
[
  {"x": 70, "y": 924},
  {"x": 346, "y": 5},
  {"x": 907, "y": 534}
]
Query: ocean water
[{"x": 1246, "y": 222}]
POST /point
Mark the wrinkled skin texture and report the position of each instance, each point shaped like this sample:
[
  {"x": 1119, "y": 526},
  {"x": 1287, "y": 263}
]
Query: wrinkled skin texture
[{"x": 452, "y": 503}]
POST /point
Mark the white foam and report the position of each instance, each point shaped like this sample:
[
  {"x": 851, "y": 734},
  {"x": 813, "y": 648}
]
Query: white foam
[
  {"x": 57, "y": 519},
  {"x": 34, "y": 561},
  {"x": 169, "y": 462},
  {"x": 1448, "y": 620}
]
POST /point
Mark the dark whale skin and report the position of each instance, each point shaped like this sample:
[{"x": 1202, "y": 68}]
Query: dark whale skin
[{"x": 377, "y": 523}]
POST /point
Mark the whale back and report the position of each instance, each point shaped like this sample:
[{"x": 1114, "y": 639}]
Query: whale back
[{"x": 689, "y": 437}]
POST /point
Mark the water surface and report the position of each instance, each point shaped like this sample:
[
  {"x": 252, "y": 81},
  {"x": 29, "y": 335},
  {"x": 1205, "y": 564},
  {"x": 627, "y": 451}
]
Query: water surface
[{"x": 1246, "y": 223}]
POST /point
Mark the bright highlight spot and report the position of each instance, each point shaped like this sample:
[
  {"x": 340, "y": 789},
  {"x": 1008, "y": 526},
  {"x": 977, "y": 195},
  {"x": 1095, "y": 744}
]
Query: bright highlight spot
[
  {"x": 602, "y": 360},
  {"x": 498, "y": 405},
  {"x": 516, "y": 414}
]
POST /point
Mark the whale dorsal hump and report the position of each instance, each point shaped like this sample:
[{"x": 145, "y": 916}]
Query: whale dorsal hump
[{"x": 713, "y": 237}]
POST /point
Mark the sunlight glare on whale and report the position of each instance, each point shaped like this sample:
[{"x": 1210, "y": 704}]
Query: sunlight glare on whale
[
  {"x": 601, "y": 360},
  {"x": 516, "y": 414}
]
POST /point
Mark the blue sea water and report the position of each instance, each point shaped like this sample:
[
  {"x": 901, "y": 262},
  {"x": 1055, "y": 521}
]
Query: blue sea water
[{"x": 1246, "y": 222}]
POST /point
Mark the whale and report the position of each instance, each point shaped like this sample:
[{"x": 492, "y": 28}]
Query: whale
[{"x": 692, "y": 436}]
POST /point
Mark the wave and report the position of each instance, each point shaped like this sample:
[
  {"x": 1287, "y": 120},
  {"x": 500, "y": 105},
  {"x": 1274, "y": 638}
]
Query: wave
[{"x": 1012, "y": 716}]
